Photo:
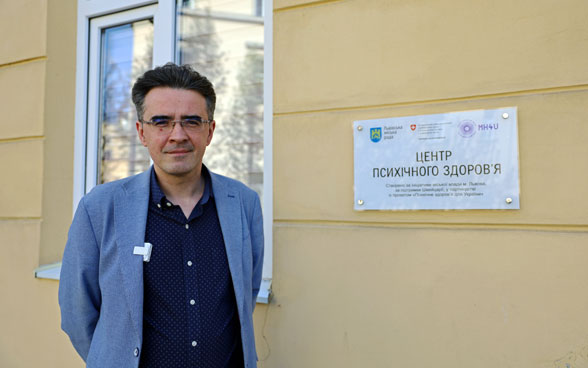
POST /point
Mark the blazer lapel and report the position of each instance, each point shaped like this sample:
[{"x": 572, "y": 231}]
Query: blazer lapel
[
  {"x": 228, "y": 207},
  {"x": 130, "y": 219}
]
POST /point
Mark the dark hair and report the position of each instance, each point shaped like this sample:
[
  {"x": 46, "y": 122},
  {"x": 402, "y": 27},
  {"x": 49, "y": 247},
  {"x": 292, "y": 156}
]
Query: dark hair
[{"x": 173, "y": 76}]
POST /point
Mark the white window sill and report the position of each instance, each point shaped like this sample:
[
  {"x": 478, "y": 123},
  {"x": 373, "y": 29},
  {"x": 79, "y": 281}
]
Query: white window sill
[
  {"x": 53, "y": 270},
  {"x": 48, "y": 271},
  {"x": 265, "y": 292}
]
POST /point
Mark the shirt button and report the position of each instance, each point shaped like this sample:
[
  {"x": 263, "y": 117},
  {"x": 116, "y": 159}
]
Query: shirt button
[
  {"x": 194, "y": 343},
  {"x": 168, "y": 204},
  {"x": 189, "y": 263},
  {"x": 136, "y": 352},
  {"x": 158, "y": 205},
  {"x": 187, "y": 226},
  {"x": 192, "y": 302}
]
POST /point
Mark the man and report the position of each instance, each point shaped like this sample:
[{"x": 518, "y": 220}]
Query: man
[{"x": 162, "y": 269}]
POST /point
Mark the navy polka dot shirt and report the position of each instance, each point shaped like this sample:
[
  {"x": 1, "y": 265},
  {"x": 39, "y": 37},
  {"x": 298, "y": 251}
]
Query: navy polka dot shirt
[{"x": 190, "y": 316}]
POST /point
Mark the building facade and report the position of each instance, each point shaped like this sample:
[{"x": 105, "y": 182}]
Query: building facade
[{"x": 427, "y": 288}]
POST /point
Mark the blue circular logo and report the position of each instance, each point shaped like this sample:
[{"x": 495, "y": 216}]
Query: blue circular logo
[{"x": 467, "y": 128}]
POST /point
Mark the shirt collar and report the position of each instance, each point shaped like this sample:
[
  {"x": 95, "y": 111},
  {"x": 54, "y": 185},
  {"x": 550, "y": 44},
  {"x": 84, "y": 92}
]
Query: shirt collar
[{"x": 158, "y": 197}]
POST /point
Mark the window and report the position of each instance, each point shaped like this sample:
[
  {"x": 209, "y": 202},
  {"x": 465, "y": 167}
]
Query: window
[
  {"x": 120, "y": 46},
  {"x": 223, "y": 39},
  {"x": 125, "y": 51}
]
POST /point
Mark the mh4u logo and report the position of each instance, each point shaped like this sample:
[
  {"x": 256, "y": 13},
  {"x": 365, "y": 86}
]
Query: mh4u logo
[{"x": 376, "y": 134}]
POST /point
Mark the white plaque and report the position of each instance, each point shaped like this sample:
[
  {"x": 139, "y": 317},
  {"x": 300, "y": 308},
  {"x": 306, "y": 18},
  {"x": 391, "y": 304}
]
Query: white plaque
[{"x": 457, "y": 160}]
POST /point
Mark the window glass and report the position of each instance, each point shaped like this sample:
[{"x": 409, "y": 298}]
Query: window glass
[
  {"x": 218, "y": 7},
  {"x": 126, "y": 53},
  {"x": 223, "y": 40}
]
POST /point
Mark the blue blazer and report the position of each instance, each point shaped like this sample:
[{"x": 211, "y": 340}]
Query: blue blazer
[{"x": 101, "y": 283}]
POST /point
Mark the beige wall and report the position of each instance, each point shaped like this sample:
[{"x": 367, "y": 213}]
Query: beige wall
[
  {"x": 369, "y": 289},
  {"x": 427, "y": 288},
  {"x": 59, "y": 117},
  {"x": 37, "y": 58}
]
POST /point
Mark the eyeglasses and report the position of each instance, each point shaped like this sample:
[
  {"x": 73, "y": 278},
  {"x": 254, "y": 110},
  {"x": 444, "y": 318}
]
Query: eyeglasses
[{"x": 167, "y": 125}]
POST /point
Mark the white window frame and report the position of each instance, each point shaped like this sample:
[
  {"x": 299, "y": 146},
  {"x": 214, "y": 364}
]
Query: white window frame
[
  {"x": 93, "y": 16},
  {"x": 268, "y": 166},
  {"x": 94, "y": 61},
  {"x": 86, "y": 124}
]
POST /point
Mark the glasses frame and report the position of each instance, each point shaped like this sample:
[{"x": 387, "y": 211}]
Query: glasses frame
[{"x": 183, "y": 123}]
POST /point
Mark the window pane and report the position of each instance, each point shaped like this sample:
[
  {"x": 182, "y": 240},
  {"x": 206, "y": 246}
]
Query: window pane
[
  {"x": 126, "y": 53},
  {"x": 223, "y": 40},
  {"x": 229, "y": 7}
]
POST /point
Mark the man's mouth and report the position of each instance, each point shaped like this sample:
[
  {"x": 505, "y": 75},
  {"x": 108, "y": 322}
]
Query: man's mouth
[{"x": 177, "y": 151}]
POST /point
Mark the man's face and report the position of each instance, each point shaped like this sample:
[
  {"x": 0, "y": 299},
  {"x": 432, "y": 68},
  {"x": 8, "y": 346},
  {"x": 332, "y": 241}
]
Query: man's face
[{"x": 178, "y": 152}]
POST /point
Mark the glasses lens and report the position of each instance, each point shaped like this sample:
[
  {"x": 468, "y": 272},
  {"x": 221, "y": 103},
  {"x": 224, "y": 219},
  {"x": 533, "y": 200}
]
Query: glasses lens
[
  {"x": 163, "y": 125},
  {"x": 192, "y": 123}
]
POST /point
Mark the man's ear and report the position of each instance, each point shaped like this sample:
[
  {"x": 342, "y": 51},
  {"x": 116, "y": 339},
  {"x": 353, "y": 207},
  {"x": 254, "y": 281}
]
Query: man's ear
[
  {"x": 140, "y": 133},
  {"x": 211, "y": 128}
]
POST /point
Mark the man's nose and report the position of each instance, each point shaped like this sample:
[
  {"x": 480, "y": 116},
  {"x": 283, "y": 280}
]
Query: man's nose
[{"x": 178, "y": 133}]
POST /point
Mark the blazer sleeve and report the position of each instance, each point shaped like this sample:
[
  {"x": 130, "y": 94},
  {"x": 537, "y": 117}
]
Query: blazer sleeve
[
  {"x": 79, "y": 290},
  {"x": 256, "y": 231}
]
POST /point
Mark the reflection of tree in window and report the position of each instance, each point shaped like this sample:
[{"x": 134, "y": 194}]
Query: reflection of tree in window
[
  {"x": 223, "y": 39},
  {"x": 240, "y": 150},
  {"x": 199, "y": 45},
  {"x": 126, "y": 53}
]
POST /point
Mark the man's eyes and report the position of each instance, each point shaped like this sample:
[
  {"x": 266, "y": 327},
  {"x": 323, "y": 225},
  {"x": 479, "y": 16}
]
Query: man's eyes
[
  {"x": 185, "y": 122},
  {"x": 192, "y": 122},
  {"x": 161, "y": 122}
]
